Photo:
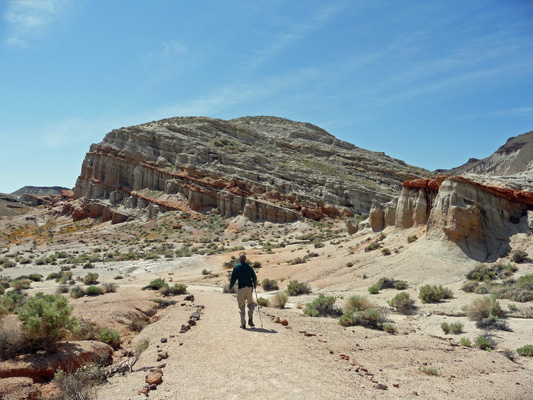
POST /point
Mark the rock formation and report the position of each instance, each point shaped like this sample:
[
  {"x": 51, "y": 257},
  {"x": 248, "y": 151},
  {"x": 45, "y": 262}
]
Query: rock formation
[
  {"x": 264, "y": 168},
  {"x": 479, "y": 218}
]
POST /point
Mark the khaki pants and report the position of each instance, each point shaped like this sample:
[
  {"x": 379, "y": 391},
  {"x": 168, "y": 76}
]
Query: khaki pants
[{"x": 245, "y": 295}]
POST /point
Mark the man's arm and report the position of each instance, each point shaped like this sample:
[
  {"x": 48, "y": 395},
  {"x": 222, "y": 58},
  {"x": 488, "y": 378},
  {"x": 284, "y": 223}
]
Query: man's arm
[{"x": 233, "y": 279}]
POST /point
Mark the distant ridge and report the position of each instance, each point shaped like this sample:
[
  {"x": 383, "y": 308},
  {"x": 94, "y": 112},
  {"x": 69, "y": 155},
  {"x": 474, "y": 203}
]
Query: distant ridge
[
  {"x": 511, "y": 158},
  {"x": 39, "y": 190}
]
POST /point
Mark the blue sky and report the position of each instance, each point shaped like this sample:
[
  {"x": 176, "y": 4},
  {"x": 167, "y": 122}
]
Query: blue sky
[{"x": 431, "y": 83}]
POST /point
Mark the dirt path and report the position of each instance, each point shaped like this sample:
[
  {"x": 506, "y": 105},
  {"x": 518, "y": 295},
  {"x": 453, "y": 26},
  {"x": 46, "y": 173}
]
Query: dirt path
[{"x": 217, "y": 359}]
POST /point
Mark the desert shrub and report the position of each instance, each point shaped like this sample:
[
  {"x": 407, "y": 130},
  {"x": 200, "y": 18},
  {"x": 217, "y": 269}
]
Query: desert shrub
[
  {"x": 110, "y": 337},
  {"x": 109, "y": 287},
  {"x": 429, "y": 370},
  {"x": 178, "y": 288},
  {"x": 465, "y": 342},
  {"x": 295, "y": 261},
  {"x": 164, "y": 303},
  {"x": 485, "y": 342},
  {"x": 118, "y": 277},
  {"x": 91, "y": 278},
  {"x": 93, "y": 291},
  {"x": 137, "y": 324},
  {"x": 390, "y": 328},
  {"x": 13, "y": 340},
  {"x": 348, "y": 318},
  {"x": 53, "y": 275},
  {"x": 374, "y": 289},
  {"x": 456, "y": 328},
  {"x": 525, "y": 351},
  {"x": 372, "y": 246},
  {"x": 370, "y": 318},
  {"x": 205, "y": 272},
  {"x": 400, "y": 285},
  {"x": 386, "y": 252},
  {"x": 40, "y": 261},
  {"x": 434, "y": 294},
  {"x": 322, "y": 306},
  {"x": 164, "y": 290},
  {"x": 385, "y": 283},
  {"x": 483, "y": 308},
  {"x": 20, "y": 284},
  {"x": 35, "y": 277},
  {"x": 263, "y": 302},
  {"x": 79, "y": 385},
  {"x": 296, "y": 288},
  {"x": 525, "y": 282},
  {"x": 403, "y": 303},
  {"x": 519, "y": 256},
  {"x": 88, "y": 265},
  {"x": 269, "y": 284},
  {"x": 62, "y": 289},
  {"x": 76, "y": 292},
  {"x": 2, "y": 290},
  {"x": 445, "y": 327},
  {"x": 47, "y": 316},
  {"x": 486, "y": 273},
  {"x": 356, "y": 302},
  {"x": 280, "y": 299},
  {"x": 412, "y": 239},
  {"x": 470, "y": 287},
  {"x": 319, "y": 245},
  {"x": 512, "y": 307},
  {"x": 257, "y": 264},
  {"x": 156, "y": 284}
]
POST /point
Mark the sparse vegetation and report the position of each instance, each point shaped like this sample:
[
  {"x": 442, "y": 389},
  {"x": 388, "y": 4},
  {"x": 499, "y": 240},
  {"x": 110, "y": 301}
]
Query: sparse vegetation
[
  {"x": 296, "y": 288},
  {"x": 525, "y": 351},
  {"x": 91, "y": 278},
  {"x": 412, "y": 239},
  {"x": 269, "y": 284},
  {"x": 280, "y": 299},
  {"x": 323, "y": 306},
  {"x": 465, "y": 342},
  {"x": 93, "y": 291},
  {"x": 429, "y": 370},
  {"x": 485, "y": 342},
  {"x": 403, "y": 303},
  {"x": 374, "y": 289},
  {"x": 434, "y": 294},
  {"x": 110, "y": 337},
  {"x": 263, "y": 302},
  {"x": 483, "y": 308},
  {"x": 519, "y": 256}
]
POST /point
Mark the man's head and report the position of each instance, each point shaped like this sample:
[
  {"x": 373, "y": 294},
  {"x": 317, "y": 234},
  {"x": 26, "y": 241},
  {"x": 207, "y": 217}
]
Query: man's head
[{"x": 242, "y": 257}]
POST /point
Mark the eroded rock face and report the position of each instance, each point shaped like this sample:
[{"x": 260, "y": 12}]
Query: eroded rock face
[
  {"x": 479, "y": 218},
  {"x": 265, "y": 168},
  {"x": 68, "y": 357}
]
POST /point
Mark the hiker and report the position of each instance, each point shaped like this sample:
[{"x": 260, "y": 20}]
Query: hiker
[{"x": 245, "y": 275}]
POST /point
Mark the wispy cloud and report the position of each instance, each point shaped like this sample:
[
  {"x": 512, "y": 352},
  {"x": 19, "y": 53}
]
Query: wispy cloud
[
  {"x": 526, "y": 111},
  {"x": 26, "y": 19}
]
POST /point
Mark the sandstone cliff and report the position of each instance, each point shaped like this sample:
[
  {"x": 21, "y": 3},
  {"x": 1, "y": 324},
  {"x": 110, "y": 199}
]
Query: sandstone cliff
[
  {"x": 479, "y": 218},
  {"x": 265, "y": 168}
]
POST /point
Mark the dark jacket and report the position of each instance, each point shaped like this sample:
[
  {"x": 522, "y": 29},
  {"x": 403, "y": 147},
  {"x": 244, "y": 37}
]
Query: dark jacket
[{"x": 245, "y": 274}]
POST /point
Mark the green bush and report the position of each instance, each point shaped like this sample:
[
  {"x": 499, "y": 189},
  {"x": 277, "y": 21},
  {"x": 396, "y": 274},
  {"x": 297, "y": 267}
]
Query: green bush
[
  {"x": 53, "y": 275},
  {"x": 91, "y": 278},
  {"x": 390, "y": 328},
  {"x": 93, "y": 291},
  {"x": 403, "y": 303},
  {"x": 519, "y": 256},
  {"x": 484, "y": 342},
  {"x": 465, "y": 342},
  {"x": 370, "y": 318},
  {"x": 2, "y": 290},
  {"x": 434, "y": 294},
  {"x": 35, "y": 277},
  {"x": 412, "y": 239},
  {"x": 321, "y": 307},
  {"x": 156, "y": 284},
  {"x": 429, "y": 370},
  {"x": 269, "y": 284},
  {"x": 178, "y": 288},
  {"x": 372, "y": 246},
  {"x": 263, "y": 302},
  {"x": 20, "y": 284},
  {"x": 47, "y": 316},
  {"x": 296, "y": 288},
  {"x": 445, "y": 327},
  {"x": 456, "y": 328},
  {"x": 110, "y": 337},
  {"x": 348, "y": 318},
  {"x": 76, "y": 292},
  {"x": 109, "y": 287},
  {"x": 400, "y": 285},
  {"x": 525, "y": 351},
  {"x": 374, "y": 289},
  {"x": 386, "y": 252}
]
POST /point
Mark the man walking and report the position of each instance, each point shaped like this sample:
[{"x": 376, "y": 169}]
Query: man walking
[{"x": 245, "y": 275}]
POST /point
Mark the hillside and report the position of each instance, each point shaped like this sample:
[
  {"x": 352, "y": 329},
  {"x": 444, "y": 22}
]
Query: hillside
[
  {"x": 265, "y": 168},
  {"x": 511, "y": 158},
  {"x": 39, "y": 190}
]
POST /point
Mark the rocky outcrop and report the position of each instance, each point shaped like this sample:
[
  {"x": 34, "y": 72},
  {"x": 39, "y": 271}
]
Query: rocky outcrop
[
  {"x": 264, "y": 168},
  {"x": 69, "y": 356},
  {"x": 477, "y": 217}
]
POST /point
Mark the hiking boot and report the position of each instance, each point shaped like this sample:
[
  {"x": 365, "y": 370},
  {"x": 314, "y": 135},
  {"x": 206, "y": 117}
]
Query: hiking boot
[
  {"x": 243, "y": 326},
  {"x": 251, "y": 323}
]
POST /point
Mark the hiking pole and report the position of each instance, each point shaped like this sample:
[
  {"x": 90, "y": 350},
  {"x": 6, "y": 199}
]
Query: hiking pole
[{"x": 258, "y": 308}]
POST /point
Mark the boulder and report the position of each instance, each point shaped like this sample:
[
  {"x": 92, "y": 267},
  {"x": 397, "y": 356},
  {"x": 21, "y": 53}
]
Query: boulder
[{"x": 20, "y": 388}]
